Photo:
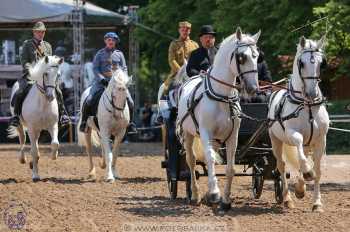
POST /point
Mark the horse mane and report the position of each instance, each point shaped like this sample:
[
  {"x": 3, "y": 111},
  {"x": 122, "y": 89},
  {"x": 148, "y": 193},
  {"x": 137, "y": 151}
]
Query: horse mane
[
  {"x": 37, "y": 69},
  {"x": 120, "y": 76}
]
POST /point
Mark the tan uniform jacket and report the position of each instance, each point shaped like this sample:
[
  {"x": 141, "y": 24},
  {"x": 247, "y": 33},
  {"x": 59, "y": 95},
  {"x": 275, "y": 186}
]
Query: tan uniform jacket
[{"x": 179, "y": 50}]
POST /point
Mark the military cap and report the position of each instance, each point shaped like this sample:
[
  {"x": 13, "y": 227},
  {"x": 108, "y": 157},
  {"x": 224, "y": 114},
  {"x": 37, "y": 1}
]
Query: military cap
[
  {"x": 39, "y": 26},
  {"x": 185, "y": 24}
]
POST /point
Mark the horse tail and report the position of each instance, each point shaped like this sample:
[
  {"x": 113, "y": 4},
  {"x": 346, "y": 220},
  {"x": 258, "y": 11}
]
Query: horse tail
[
  {"x": 12, "y": 132},
  {"x": 290, "y": 155}
]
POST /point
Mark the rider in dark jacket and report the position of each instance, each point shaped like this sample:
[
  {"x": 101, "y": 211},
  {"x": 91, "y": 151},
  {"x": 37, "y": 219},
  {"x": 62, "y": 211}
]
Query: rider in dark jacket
[
  {"x": 32, "y": 51},
  {"x": 203, "y": 57}
]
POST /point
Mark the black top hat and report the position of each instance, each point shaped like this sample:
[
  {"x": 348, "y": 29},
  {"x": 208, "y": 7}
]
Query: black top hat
[{"x": 207, "y": 29}]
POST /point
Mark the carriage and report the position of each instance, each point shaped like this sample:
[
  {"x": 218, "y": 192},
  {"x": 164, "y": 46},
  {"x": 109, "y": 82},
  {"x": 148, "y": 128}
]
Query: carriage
[{"x": 253, "y": 152}]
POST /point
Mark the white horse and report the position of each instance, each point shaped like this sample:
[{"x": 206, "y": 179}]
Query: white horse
[
  {"x": 300, "y": 121},
  {"x": 210, "y": 109},
  {"x": 39, "y": 110},
  {"x": 113, "y": 118}
]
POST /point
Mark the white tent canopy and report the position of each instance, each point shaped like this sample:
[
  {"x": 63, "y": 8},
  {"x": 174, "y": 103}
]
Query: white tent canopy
[{"x": 19, "y": 11}]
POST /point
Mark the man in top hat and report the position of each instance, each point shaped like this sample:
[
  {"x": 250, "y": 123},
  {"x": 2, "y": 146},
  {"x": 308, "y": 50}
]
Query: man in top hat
[
  {"x": 32, "y": 51},
  {"x": 105, "y": 62},
  {"x": 203, "y": 57},
  {"x": 180, "y": 49}
]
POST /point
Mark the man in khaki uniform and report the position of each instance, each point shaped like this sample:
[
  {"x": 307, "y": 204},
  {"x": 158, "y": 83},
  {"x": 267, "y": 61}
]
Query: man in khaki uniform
[{"x": 180, "y": 49}]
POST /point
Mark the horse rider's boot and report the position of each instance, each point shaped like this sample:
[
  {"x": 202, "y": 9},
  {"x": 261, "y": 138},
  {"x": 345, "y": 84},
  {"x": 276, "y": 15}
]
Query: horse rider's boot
[
  {"x": 15, "y": 120},
  {"x": 132, "y": 126},
  {"x": 64, "y": 118},
  {"x": 84, "y": 116}
]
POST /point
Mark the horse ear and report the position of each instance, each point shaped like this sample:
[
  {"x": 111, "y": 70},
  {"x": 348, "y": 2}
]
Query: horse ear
[
  {"x": 302, "y": 42},
  {"x": 321, "y": 42},
  {"x": 46, "y": 59},
  {"x": 256, "y": 36},
  {"x": 239, "y": 33}
]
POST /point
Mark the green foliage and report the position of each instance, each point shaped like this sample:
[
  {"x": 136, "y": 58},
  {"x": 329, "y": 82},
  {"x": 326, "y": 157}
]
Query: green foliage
[
  {"x": 338, "y": 13},
  {"x": 276, "y": 18}
]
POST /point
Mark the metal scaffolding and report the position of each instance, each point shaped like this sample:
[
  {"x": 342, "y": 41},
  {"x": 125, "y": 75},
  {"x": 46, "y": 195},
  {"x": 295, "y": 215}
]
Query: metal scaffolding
[
  {"x": 134, "y": 54},
  {"x": 77, "y": 21}
]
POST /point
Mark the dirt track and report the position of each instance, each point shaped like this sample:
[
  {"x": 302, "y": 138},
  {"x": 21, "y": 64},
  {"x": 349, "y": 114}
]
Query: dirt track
[{"x": 65, "y": 201}]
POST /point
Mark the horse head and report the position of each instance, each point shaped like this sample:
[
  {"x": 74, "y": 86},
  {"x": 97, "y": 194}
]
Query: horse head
[
  {"x": 45, "y": 73},
  {"x": 118, "y": 88},
  {"x": 308, "y": 62},
  {"x": 238, "y": 55}
]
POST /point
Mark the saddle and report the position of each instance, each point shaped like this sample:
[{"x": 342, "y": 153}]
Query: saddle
[{"x": 90, "y": 105}]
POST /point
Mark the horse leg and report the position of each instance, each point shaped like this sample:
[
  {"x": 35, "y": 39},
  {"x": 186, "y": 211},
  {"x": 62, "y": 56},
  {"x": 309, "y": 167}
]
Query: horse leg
[
  {"x": 319, "y": 152},
  {"x": 92, "y": 171},
  {"x": 277, "y": 148},
  {"x": 191, "y": 162},
  {"x": 231, "y": 146},
  {"x": 105, "y": 140},
  {"x": 54, "y": 141},
  {"x": 22, "y": 141},
  {"x": 300, "y": 187},
  {"x": 213, "y": 194},
  {"x": 118, "y": 138},
  {"x": 34, "y": 136},
  {"x": 297, "y": 139}
]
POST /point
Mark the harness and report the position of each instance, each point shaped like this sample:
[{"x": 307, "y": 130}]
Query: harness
[
  {"x": 232, "y": 101},
  {"x": 301, "y": 104},
  {"x": 192, "y": 103}
]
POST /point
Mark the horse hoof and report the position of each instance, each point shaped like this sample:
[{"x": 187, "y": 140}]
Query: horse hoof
[
  {"x": 224, "y": 207},
  {"x": 289, "y": 204},
  {"x": 110, "y": 181},
  {"x": 22, "y": 160},
  {"x": 54, "y": 157},
  {"x": 103, "y": 165},
  {"x": 299, "y": 195},
  {"x": 309, "y": 176},
  {"x": 194, "y": 202},
  {"x": 212, "y": 199},
  {"x": 317, "y": 209},
  {"x": 91, "y": 177},
  {"x": 36, "y": 179}
]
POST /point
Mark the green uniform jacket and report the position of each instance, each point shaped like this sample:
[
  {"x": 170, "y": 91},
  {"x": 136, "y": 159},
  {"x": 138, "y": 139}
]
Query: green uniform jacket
[{"x": 31, "y": 52}]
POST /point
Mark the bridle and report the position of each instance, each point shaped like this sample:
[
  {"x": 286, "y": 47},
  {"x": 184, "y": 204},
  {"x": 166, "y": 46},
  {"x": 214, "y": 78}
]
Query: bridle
[
  {"x": 300, "y": 65},
  {"x": 111, "y": 102},
  {"x": 43, "y": 88},
  {"x": 312, "y": 61},
  {"x": 240, "y": 59}
]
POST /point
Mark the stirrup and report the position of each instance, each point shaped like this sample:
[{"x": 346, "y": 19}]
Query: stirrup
[{"x": 132, "y": 128}]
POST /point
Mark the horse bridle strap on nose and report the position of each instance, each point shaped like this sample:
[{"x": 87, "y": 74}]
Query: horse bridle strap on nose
[
  {"x": 238, "y": 65},
  {"x": 312, "y": 60},
  {"x": 43, "y": 88}
]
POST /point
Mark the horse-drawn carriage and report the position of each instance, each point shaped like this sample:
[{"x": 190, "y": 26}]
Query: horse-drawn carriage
[{"x": 253, "y": 151}]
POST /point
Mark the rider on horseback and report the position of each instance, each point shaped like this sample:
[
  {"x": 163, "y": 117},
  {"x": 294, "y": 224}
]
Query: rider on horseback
[
  {"x": 105, "y": 62},
  {"x": 32, "y": 51}
]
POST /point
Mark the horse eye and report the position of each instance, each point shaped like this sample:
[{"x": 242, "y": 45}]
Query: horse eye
[{"x": 242, "y": 58}]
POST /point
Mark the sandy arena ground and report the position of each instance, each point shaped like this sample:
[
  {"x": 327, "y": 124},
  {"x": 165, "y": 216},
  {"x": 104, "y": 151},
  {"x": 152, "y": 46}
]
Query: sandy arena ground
[{"x": 65, "y": 201}]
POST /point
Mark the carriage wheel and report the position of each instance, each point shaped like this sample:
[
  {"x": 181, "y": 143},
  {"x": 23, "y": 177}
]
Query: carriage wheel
[
  {"x": 278, "y": 190},
  {"x": 257, "y": 183}
]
